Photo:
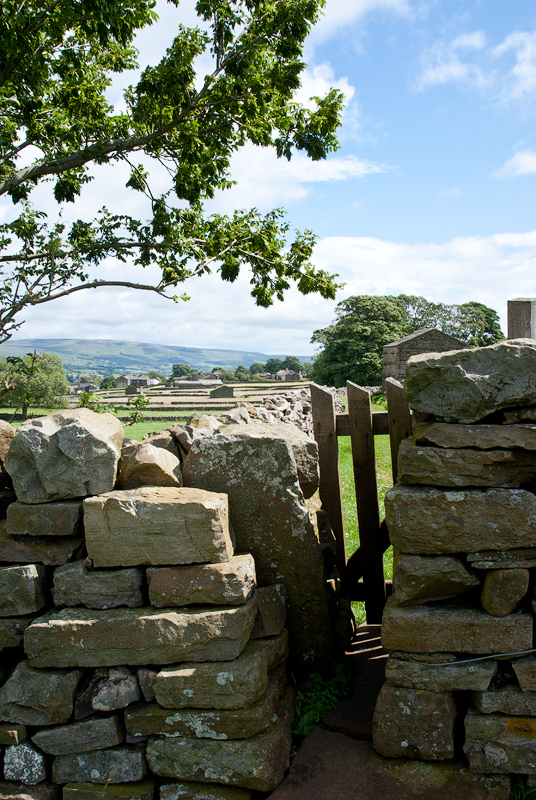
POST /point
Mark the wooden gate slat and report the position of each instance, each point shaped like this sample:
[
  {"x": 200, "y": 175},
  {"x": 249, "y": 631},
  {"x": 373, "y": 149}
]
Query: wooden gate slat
[
  {"x": 325, "y": 431},
  {"x": 400, "y": 423},
  {"x": 368, "y": 512}
]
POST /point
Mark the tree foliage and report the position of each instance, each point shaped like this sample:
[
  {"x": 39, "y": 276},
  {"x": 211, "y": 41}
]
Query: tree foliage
[
  {"x": 180, "y": 369},
  {"x": 57, "y": 59},
  {"x": 37, "y": 380},
  {"x": 352, "y": 347}
]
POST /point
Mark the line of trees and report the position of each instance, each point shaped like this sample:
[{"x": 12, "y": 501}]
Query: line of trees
[
  {"x": 242, "y": 373},
  {"x": 352, "y": 347}
]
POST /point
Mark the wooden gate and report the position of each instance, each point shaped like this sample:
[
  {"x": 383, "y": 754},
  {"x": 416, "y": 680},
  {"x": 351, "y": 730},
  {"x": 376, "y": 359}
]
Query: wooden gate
[{"x": 362, "y": 575}]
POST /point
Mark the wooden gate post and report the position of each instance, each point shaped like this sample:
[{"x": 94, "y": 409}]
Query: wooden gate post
[
  {"x": 366, "y": 488},
  {"x": 400, "y": 424},
  {"x": 325, "y": 430}
]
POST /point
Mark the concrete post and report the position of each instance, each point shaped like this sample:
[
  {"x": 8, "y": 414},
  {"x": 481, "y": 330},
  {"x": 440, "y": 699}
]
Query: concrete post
[{"x": 522, "y": 318}]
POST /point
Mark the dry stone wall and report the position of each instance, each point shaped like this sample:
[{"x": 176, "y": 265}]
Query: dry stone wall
[
  {"x": 142, "y": 641},
  {"x": 461, "y": 674}
]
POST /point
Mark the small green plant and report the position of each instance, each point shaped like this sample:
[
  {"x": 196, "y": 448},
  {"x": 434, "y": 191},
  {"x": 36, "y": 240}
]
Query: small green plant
[
  {"x": 89, "y": 400},
  {"x": 320, "y": 696},
  {"x": 522, "y": 793},
  {"x": 136, "y": 405}
]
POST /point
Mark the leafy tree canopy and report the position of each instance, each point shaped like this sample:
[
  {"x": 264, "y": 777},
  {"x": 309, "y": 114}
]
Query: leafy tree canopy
[
  {"x": 273, "y": 365},
  {"x": 180, "y": 369},
  {"x": 57, "y": 59},
  {"x": 257, "y": 367},
  {"x": 108, "y": 382},
  {"x": 36, "y": 380},
  {"x": 292, "y": 362},
  {"x": 353, "y": 344}
]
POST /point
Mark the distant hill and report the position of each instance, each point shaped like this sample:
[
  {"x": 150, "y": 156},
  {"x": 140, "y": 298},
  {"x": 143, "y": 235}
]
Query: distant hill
[{"x": 105, "y": 356}]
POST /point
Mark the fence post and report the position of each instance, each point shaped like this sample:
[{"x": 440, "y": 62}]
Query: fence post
[
  {"x": 366, "y": 489},
  {"x": 400, "y": 425},
  {"x": 324, "y": 425}
]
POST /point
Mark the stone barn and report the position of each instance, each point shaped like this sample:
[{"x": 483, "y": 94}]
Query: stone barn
[{"x": 428, "y": 340}]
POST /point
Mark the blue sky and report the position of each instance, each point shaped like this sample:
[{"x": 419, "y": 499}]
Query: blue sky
[{"x": 431, "y": 192}]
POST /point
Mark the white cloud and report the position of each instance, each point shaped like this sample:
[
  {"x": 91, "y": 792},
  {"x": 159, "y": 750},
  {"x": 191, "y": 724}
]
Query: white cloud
[
  {"x": 522, "y": 163},
  {"x": 489, "y": 269},
  {"x": 340, "y": 14},
  {"x": 450, "y": 63},
  {"x": 520, "y": 79}
]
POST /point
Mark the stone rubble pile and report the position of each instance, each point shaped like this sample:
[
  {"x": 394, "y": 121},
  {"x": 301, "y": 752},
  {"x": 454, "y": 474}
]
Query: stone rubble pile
[
  {"x": 293, "y": 407},
  {"x": 461, "y": 674},
  {"x": 141, "y": 655}
]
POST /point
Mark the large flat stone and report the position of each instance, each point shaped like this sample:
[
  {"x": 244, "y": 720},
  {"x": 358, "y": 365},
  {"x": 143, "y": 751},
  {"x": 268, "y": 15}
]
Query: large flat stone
[
  {"x": 157, "y": 525},
  {"x": 483, "y": 437},
  {"x": 414, "y": 723},
  {"x": 330, "y": 766},
  {"x": 21, "y": 590},
  {"x": 436, "y": 466},
  {"x": 440, "y": 677},
  {"x": 523, "y": 558},
  {"x": 497, "y": 743},
  {"x": 229, "y": 723},
  {"x": 68, "y": 454},
  {"x": 271, "y": 521},
  {"x": 62, "y": 518},
  {"x": 228, "y": 583},
  {"x": 142, "y": 790},
  {"x": 525, "y": 670},
  {"x": 21, "y": 791},
  {"x": 258, "y": 763},
  {"x": 75, "y": 584},
  {"x": 506, "y": 700},
  {"x": 148, "y": 465},
  {"x": 430, "y": 521},
  {"x": 221, "y": 684},
  {"x": 118, "y": 764},
  {"x": 193, "y": 790},
  {"x": 467, "y": 385},
  {"x": 38, "y": 696},
  {"x": 453, "y": 627},
  {"x": 24, "y": 763},
  {"x": 83, "y": 637},
  {"x": 419, "y": 579},
  {"x": 48, "y": 550},
  {"x": 80, "y": 737}
]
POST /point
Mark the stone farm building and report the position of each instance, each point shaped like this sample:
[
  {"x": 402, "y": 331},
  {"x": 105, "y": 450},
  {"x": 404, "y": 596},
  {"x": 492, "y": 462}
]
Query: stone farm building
[
  {"x": 428, "y": 340},
  {"x": 132, "y": 380},
  {"x": 288, "y": 375}
]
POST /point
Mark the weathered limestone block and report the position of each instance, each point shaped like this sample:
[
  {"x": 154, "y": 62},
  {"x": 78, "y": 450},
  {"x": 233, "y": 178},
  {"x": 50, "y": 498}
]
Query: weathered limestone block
[
  {"x": 304, "y": 449},
  {"x": 76, "y": 585},
  {"x": 193, "y": 790},
  {"x": 228, "y": 583},
  {"x": 436, "y": 466},
  {"x": 204, "y": 422},
  {"x": 271, "y": 521},
  {"x": 452, "y": 627},
  {"x": 23, "y": 762},
  {"x": 62, "y": 518},
  {"x": 150, "y": 466},
  {"x": 80, "y": 737},
  {"x": 419, "y": 579},
  {"x": 157, "y": 525},
  {"x": 117, "y": 764},
  {"x": 82, "y": 637},
  {"x": 520, "y": 414},
  {"x": 11, "y": 733},
  {"x": 143, "y": 790},
  {"x": 21, "y": 590},
  {"x": 506, "y": 700},
  {"x": 413, "y": 723},
  {"x": 467, "y": 385},
  {"x": 499, "y": 743},
  {"x": 258, "y": 763},
  {"x": 483, "y": 437},
  {"x": 163, "y": 439},
  {"x": 7, "y": 432},
  {"x": 271, "y": 611},
  {"x": 38, "y": 696},
  {"x": 503, "y": 590},
  {"x": 429, "y": 521},
  {"x": 440, "y": 677},
  {"x": 21, "y": 791},
  {"x": 70, "y": 453},
  {"x": 525, "y": 670},
  {"x": 12, "y": 630},
  {"x": 146, "y": 679},
  {"x": 523, "y": 558},
  {"x": 118, "y": 688},
  {"x": 48, "y": 550},
  {"x": 230, "y": 723},
  {"x": 221, "y": 684}
]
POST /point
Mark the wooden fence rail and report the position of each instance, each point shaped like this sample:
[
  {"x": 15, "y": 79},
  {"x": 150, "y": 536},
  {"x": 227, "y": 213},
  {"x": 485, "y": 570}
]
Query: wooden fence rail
[{"x": 362, "y": 575}]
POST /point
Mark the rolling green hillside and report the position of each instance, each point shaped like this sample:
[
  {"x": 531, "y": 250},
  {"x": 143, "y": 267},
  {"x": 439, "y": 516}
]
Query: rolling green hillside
[{"x": 105, "y": 356}]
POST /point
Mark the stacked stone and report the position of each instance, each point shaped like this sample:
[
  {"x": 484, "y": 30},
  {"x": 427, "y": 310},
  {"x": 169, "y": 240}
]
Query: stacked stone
[
  {"x": 462, "y": 521},
  {"x": 151, "y": 667}
]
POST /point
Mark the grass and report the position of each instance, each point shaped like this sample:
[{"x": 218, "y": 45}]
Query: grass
[
  {"x": 385, "y": 480},
  {"x": 522, "y": 793}
]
